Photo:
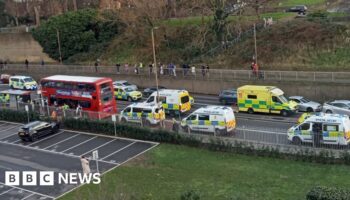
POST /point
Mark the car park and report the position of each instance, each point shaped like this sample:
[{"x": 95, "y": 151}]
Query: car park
[
  {"x": 228, "y": 97},
  {"x": 37, "y": 129},
  {"x": 23, "y": 83},
  {"x": 124, "y": 83},
  {"x": 126, "y": 93},
  {"x": 148, "y": 91},
  {"x": 300, "y": 9},
  {"x": 337, "y": 107},
  {"x": 306, "y": 105},
  {"x": 214, "y": 119}
]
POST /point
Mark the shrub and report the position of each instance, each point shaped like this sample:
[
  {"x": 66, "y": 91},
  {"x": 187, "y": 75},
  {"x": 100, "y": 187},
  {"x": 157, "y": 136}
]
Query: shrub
[
  {"x": 328, "y": 193},
  {"x": 190, "y": 195},
  {"x": 17, "y": 116}
]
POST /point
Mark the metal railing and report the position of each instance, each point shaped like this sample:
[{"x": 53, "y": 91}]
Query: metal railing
[
  {"x": 180, "y": 73},
  {"x": 276, "y": 138}
]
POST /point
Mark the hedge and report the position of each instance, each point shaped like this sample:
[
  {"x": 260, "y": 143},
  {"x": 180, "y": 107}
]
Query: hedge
[
  {"x": 328, "y": 193},
  {"x": 193, "y": 140}
]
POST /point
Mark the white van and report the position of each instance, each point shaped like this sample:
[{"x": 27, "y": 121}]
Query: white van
[
  {"x": 152, "y": 114},
  {"x": 173, "y": 101},
  {"x": 23, "y": 83},
  {"x": 322, "y": 128},
  {"x": 215, "y": 119}
]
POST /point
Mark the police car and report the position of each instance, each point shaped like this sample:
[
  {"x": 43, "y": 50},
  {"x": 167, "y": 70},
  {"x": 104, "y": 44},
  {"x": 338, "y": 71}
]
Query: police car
[
  {"x": 126, "y": 93},
  {"x": 23, "y": 83},
  {"x": 214, "y": 119},
  {"x": 321, "y": 128},
  {"x": 150, "y": 114}
]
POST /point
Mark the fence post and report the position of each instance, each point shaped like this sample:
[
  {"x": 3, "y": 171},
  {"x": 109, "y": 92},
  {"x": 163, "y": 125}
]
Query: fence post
[
  {"x": 296, "y": 75},
  {"x": 280, "y": 76},
  {"x": 314, "y": 76},
  {"x": 332, "y": 76},
  {"x": 276, "y": 138}
]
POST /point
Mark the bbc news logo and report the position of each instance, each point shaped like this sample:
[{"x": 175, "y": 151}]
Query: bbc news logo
[{"x": 49, "y": 178}]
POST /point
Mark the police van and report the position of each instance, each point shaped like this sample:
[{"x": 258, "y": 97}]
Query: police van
[
  {"x": 23, "y": 83},
  {"x": 173, "y": 101},
  {"x": 214, "y": 119},
  {"x": 321, "y": 128},
  {"x": 151, "y": 114}
]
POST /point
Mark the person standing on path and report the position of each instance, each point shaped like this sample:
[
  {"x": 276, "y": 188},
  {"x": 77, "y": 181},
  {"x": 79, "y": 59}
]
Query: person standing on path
[
  {"x": 126, "y": 68},
  {"x": 85, "y": 165},
  {"x": 26, "y": 62},
  {"x": 118, "y": 68}
]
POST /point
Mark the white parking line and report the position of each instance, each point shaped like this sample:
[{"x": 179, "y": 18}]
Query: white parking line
[
  {"x": 99, "y": 146},
  {"x": 9, "y": 129},
  {"x": 28, "y": 191},
  {"x": 7, "y": 191},
  {"x": 27, "y": 196},
  {"x": 118, "y": 150},
  {"x": 53, "y": 135},
  {"x": 79, "y": 144},
  {"x": 62, "y": 141},
  {"x": 3, "y": 124}
]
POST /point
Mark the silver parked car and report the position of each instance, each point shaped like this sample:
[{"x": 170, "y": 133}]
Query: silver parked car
[
  {"x": 337, "y": 107},
  {"x": 305, "y": 105}
]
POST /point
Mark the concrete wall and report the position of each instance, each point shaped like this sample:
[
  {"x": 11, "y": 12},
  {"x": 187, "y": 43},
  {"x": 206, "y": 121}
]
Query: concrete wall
[
  {"x": 16, "y": 47},
  {"x": 320, "y": 91}
]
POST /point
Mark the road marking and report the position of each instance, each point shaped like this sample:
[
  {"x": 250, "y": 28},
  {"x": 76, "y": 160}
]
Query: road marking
[
  {"x": 99, "y": 147},
  {"x": 79, "y": 144},
  {"x": 7, "y": 191},
  {"x": 9, "y": 128},
  {"x": 28, "y": 196},
  {"x": 3, "y": 124},
  {"x": 19, "y": 188},
  {"x": 61, "y": 141},
  {"x": 118, "y": 150},
  {"x": 7, "y": 136},
  {"x": 51, "y": 152},
  {"x": 46, "y": 138}
]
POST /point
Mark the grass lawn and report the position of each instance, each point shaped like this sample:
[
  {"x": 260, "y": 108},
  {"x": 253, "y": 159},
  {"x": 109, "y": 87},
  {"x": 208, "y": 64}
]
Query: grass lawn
[{"x": 167, "y": 171}]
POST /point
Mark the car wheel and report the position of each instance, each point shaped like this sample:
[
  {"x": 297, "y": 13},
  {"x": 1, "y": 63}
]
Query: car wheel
[
  {"x": 309, "y": 110},
  {"x": 147, "y": 123},
  {"x": 34, "y": 138},
  {"x": 123, "y": 120},
  {"x": 284, "y": 113},
  {"x": 130, "y": 99},
  {"x": 296, "y": 141},
  {"x": 185, "y": 129},
  {"x": 220, "y": 132},
  {"x": 224, "y": 102},
  {"x": 250, "y": 111},
  {"x": 329, "y": 111}
]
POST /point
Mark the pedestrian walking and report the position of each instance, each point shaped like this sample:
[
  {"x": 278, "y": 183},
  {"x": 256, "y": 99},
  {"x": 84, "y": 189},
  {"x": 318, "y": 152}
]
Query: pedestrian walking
[
  {"x": 203, "y": 71},
  {"x": 1, "y": 65},
  {"x": 193, "y": 70},
  {"x": 126, "y": 68},
  {"x": 161, "y": 69},
  {"x": 85, "y": 164},
  {"x": 118, "y": 68},
  {"x": 96, "y": 65},
  {"x": 78, "y": 111},
  {"x": 207, "y": 71},
  {"x": 150, "y": 67},
  {"x": 26, "y": 63},
  {"x": 42, "y": 62},
  {"x": 174, "y": 70},
  {"x": 136, "y": 69}
]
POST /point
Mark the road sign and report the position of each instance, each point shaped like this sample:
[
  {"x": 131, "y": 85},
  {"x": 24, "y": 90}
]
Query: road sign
[
  {"x": 114, "y": 118},
  {"x": 95, "y": 155}
]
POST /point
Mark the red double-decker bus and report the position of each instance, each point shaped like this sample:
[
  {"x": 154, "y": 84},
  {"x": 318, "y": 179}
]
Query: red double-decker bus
[{"x": 91, "y": 93}]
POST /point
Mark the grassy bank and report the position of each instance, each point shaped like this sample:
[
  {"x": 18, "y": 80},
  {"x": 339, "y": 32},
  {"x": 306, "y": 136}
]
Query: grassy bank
[{"x": 169, "y": 170}]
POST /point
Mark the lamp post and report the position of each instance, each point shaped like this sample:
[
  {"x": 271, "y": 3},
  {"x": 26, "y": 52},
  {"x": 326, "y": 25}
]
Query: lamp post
[
  {"x": 59, "y": 44},
  {"x": 155, "y": 62}
]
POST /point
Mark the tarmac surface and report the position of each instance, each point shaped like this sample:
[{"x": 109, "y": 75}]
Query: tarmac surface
[{"x": 60, "y": 153}]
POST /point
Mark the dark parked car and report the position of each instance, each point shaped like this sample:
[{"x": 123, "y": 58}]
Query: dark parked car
[
  {"x": 37, "y": 129},
  {"x": 228, "y": 97},
  {"x": 300, "y": 9},
  {"x": 148, "y": 91}
]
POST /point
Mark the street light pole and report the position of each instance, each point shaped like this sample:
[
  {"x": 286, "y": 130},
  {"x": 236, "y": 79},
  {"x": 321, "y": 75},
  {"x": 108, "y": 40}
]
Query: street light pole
[
  {"x": 59, "y": 44},
  {"x": 255, "y": 46},
  {"x": 155, "y": 63}
]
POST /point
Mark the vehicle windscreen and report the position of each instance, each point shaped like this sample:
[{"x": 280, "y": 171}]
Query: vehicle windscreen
[
  {"x": 128, "y": 90},
  {"x": 126, "y": 83},
  {"x": 185, "y": 99},
  {"x": 28, "y": 80},
  {"x": 106, "y": 93},
  {"x": 304, "y": 100},
  {"x": 283, "y": 99}
]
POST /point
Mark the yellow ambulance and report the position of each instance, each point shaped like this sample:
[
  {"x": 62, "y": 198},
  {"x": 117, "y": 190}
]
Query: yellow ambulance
[{"x": 264, "y": 99}]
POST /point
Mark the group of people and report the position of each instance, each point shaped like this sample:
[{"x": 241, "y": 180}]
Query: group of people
[
  {"x": 163, "y": 69},
  {"x": 3, "y": 64}
]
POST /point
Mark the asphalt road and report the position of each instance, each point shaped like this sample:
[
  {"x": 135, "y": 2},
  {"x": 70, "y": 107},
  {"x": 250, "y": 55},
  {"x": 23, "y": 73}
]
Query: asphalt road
[{"x": 60, "y": 153}]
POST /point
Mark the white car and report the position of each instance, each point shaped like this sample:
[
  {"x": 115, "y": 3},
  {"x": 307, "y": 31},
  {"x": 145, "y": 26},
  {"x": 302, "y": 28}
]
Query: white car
[
  {"x": 305, "y": 105},
  {"x": 337, "y": 107},
  {"x": 124, "y": 83}
]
